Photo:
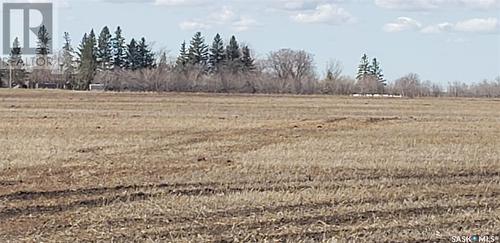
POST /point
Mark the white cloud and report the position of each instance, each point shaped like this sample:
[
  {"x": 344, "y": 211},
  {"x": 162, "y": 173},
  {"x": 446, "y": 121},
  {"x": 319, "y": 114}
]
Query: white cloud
[
  {"x": 407, "y": 5},
  {"x": 223, "y": 17},
  {"x": 244, "y": 24},
  {"x": 402, "y": 24},
  {"x": 476, "y": 25},
  {"x": 481, "y": 4},
  {"x": 58, "y": 4},
  {"x": 438, "y": 28},
  {"x": 193, "y": 25},
  {"x": 457, "y": 40},
  {"x": 425, "y": 5},
  {"x": 298, "y": 5},
  {"x": 177, "y": 3},
  {"x": 325, "y": 13},
  {"x": 303, "y": 11}
]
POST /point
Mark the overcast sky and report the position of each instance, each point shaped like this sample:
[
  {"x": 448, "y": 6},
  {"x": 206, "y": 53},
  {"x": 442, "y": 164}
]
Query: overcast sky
[{"x": 442, "y": 40}]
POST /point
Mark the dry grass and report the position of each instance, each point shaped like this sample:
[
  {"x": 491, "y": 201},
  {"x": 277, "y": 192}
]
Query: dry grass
[{"x": 185, "y": 167}]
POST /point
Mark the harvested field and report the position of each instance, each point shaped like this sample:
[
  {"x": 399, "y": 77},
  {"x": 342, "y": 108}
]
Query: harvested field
[{"x": 194, "y": 167}]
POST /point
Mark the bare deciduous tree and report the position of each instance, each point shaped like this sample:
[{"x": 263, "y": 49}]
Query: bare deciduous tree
[
  {"x": 294, "y": 69},
  {"x": 436, "y": 90},
  {"x": 408, "y": 85}
]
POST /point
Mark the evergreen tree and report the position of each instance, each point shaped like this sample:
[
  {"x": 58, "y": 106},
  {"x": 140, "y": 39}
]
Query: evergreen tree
[
  {"x": 217, "y": 54},
  {"x": 88, "y": 61},
  {"x": 183, "y": 58},
  {"x": 233, "y": 50},
  {"x": 246, "y": 59},
  {"x": 198, "y": 51},
  {"x": 233, "y": 54},
  {"x": 162, "y": 61},
  {"x": 81, "y": 46},
  {"x": 68, "y": 63},
  {"x": 133, "y": 56},
  {"x": 83, "y": 63},
  {"x": 105, "y": 50},
  {"x": 15, "y": 53},
  {"x": 43, "y": 47},
  {"x": 364, "y": 68},
  {"x": 17, "y": 64},
  {"x": 93, "y": 42},
  {"x": 119, "y": 49},
  {"x": 147, "y": 57},
  {"x": 377, "y": 72},
  {"x": 43, "y": 42}
]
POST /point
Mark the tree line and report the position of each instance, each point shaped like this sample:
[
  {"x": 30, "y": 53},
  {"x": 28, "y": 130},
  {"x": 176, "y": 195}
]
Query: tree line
[
  {"x": 109, "y": 59},
  {"x": 105, "y": 53}
]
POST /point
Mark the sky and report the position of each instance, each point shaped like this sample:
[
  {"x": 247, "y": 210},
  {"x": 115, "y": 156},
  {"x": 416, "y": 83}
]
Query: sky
[{"x": 441, "y": 40}]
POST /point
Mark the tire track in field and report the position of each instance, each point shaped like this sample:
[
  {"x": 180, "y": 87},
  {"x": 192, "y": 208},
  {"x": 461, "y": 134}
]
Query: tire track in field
[
  {"x": 428, "y": 178},
  {"x": 209, "y": 218},
  {"x": 344, "y": 219},
  {"x": 193, "y": 189},
  {"x": 396, "y": 230},
  {"x": 140, "y": 196},
  {"x": 372, "y": 231},
  {"x": 274, "y": 134},
  {"x": 292, "y": 208}
]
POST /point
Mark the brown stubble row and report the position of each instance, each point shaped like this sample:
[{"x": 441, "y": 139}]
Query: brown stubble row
[{"x": 198, "y": 167}]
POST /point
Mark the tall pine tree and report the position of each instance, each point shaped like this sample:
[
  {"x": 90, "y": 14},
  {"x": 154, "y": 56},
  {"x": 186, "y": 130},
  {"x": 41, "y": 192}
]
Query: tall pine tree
[
  {"x": 119, "y": 50},
  {"x": 233, "y": 50},
  {"x": 43, "y": 41},
  {"x": 233, "y": 54},
  {"x": 68, "y": 62},
  {"x": 88, "y": 61},
  {"x": 133, "y": 56},
  {"x": 105, "y": 50},
  {"x": 217, "y": 54},
  {"x": 376, "y": 71},
  {"x": 15, "y": 58},
  {"x": 198, "y": 50},
  {"x": 81, "y": 46},
  {"x": 162, "y": 62},
  {"x": 364, "y": 68},
  {"x": 146, "y": 54},
  {"x": 247, "y": 60},
  {"x": 43, "y": 48},
  {"x": 17, "y": 64},
  {"x": 183, "y": 58}
]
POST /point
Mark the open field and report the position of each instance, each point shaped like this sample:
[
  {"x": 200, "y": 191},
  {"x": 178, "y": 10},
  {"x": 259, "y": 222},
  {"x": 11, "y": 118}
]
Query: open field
[{"x": 186, "y": 167}]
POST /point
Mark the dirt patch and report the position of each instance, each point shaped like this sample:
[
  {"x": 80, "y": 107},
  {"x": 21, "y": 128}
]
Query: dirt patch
[{"x": 381, "y": 119}]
